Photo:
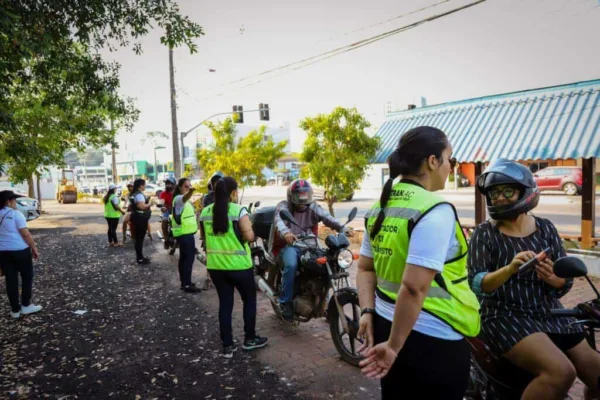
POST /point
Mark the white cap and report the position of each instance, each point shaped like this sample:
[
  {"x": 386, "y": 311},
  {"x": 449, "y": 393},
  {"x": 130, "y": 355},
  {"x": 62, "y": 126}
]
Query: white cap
[{"x": 112, "y": 186}]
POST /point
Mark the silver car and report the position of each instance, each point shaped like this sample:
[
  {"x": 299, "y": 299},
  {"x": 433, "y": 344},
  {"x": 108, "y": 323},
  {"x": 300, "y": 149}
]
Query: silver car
[{"x": 29, "y": 208}]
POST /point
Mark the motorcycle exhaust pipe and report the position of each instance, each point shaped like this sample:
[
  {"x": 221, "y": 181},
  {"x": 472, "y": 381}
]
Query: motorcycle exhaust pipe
[
  {"x": 160, "y": 235},
  {"x": 265, "y": 288}
]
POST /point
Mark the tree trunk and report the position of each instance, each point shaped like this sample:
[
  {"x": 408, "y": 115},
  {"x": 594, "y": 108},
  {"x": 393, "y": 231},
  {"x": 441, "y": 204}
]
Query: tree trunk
[
  {"x": 114, "y": 162},
  {"x": 175, "y": 132},
  {"x": 31, "y": 190},
  {"x": 330, "y": 203},
  {"x": 39, "y": 191}
]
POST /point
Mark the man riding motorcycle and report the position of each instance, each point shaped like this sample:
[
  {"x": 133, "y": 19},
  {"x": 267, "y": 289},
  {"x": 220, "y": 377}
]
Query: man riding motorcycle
[
  {"x": 167, "y": 206},
  {"x": 308, "y": 215}
]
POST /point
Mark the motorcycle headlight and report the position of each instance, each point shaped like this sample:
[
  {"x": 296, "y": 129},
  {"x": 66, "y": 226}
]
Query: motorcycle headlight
[{"x": 344, "y": 258}]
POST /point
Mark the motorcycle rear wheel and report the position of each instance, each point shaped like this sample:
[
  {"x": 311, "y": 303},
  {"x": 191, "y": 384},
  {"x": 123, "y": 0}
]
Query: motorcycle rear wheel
[{"x": 345, "y": 343}]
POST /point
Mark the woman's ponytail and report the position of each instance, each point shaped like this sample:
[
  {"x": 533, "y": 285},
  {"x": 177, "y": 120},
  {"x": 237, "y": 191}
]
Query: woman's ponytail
[
  {"x": 415, "y": 146},
  {"x": 223, "y": 189}
]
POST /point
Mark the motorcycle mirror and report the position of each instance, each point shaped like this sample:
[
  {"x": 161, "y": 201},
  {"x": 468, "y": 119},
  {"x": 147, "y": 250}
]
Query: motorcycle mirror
[
  {"x": 287, "y": 216},
  {"x": 352, "y": 215},
  {"x": 257, "y": 204},
  {"x": 569, "y": 267}
]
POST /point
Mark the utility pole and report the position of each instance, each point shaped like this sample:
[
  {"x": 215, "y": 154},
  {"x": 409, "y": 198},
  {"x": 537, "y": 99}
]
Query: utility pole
[
  {"x": 175, "y": 133},
  {"x": 114, "y": 154}
]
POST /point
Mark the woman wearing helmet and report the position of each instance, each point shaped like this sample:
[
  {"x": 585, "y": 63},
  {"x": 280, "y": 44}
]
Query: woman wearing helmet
[{"x": 515, "y": 306}]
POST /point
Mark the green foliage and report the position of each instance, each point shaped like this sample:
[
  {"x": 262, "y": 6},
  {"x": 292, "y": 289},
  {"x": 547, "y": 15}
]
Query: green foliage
[
  {"x": 52, "y": 72},
  {"x": 337, "y": 152},
  {"x": 244, "y": 159}
]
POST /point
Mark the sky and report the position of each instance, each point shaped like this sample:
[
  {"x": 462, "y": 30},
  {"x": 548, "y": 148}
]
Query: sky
[{"x": 495, "y": 47}]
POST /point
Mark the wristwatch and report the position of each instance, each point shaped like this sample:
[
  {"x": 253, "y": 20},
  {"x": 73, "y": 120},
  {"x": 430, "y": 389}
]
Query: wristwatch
[{"x": 367, "y": 311}]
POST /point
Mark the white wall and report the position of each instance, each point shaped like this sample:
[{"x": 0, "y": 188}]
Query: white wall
[{"x": 373, "y": 177}]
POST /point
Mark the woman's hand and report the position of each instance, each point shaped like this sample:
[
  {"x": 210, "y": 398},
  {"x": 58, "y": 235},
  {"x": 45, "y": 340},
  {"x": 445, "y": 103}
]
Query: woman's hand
[
  {"x": 365, "y": 332},
  {"x": 378, "y": 361},
  {"x": 519, "y": 260}
]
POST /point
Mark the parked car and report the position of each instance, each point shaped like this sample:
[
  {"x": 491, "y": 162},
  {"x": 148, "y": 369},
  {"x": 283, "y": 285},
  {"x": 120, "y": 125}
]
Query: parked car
[
  {"x": 567, "y": 179},
  {"x": 29, "y": 208}
]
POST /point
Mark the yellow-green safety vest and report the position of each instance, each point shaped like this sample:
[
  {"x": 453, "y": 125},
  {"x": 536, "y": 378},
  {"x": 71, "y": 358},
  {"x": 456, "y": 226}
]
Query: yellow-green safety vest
[
  {"x": 225, "y": 251},
  {"x": 109, "y": 209},
  {"x": 189, "y": 224},
  {"x": 449, "y": 298}
]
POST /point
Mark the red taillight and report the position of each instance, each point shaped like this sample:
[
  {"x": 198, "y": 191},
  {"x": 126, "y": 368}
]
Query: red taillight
[
  {"x": 579, "y": 177},
  {"x": 354, "y": 256}
]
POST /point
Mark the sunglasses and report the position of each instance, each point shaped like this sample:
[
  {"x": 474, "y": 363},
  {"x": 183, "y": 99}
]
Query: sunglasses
[{"x": 507, "y": 193}]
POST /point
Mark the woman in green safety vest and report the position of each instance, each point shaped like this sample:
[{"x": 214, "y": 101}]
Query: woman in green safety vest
[
  {"x": 112, "y": 213},
  {"x": 226, "y": 231},
  {"x": 417, "y": 306},
  {"x": 185, "y": 226}
]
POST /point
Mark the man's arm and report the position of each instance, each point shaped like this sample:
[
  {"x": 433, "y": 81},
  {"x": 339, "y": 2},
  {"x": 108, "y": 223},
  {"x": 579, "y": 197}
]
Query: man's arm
[
  {"x": 327, "y": 219},
  {"x": 280, "y": 223}
]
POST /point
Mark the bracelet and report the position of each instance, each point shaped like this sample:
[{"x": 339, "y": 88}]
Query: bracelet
[{"x": 367, "y": 311}]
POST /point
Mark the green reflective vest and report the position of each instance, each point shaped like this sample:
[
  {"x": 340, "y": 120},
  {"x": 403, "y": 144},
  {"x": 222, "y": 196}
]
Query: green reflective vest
[
  {"x": 188, "y": 225},
  {"x": 225, "y": 251},
  {"x": 109, "y": 209},
  {"x": 449, "y": 298}
]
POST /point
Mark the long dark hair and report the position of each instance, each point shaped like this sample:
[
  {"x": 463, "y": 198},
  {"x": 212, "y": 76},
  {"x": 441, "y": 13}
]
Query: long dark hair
[
  {"x": 107, "y": 195},
  {"x": 223, "y": 189},
  {"x": 137, "y": 183},
  {"x": 414, "y": 147}
]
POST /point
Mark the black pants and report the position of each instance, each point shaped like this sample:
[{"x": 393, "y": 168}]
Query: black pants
[
  {"x": 225, "y": 282},
  {"x": 187, "y": 255},
  {"x": 140, "y": 227},
  {"x": 113, "y": 223},
  {"x": 430, "y": 367},
  {"x": 14, "y": 263}
]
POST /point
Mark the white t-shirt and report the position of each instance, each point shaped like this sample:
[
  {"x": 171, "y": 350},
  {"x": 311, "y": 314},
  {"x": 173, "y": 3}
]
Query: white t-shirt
[
  {"x": 432, "y": 242},
  {"x": 139, "y": 198},
  {"x": 10, "y": 237}
]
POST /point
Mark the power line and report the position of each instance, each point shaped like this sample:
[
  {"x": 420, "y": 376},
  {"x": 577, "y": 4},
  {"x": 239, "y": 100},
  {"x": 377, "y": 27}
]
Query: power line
[
  {"x": 274, "y": 72},
  {"x": 387, "y": 20}
]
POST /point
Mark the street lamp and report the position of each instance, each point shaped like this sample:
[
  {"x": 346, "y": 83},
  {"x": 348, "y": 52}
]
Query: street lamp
[{"x": 156, "y": 169}]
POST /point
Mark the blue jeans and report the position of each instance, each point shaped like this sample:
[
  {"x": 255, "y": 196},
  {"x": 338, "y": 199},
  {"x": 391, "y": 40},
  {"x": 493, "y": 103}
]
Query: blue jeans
[{"x": 290, "y": 256}]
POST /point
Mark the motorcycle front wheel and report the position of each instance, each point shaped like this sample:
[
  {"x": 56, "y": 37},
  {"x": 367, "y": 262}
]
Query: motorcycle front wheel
[{"x": 346, "y": 343}]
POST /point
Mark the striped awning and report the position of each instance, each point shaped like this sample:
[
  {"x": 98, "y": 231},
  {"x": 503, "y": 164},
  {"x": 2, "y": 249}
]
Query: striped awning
[{"x": 557, "y": 122}]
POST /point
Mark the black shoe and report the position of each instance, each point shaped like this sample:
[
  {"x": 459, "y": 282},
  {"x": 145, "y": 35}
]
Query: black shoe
[
  {"x": 192, "y": 289},
  {"x": 256, "y": 343},
  {"x": 228, "y": 351},
  {"x": 144, "y": 260},
  {"x": 287, "y": 311}
]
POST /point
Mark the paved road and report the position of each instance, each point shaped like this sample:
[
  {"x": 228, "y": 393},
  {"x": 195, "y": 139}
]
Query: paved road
[{"x": 564, "y": 211}]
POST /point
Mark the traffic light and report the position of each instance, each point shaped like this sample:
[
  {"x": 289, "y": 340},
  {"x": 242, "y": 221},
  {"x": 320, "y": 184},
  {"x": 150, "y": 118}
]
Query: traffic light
[
  {"x": 239, "y": 112},
  {"x": 263, "y": 111}
]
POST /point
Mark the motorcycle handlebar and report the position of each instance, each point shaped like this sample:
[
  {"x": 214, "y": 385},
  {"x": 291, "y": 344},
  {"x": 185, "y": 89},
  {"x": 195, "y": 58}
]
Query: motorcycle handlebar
[{"x": 573, "y": 312}]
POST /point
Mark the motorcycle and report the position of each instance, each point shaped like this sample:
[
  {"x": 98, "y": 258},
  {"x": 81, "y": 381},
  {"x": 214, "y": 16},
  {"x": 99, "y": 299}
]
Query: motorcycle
[
  {"x": 494, "y": 377},
  {"x": 321, "y": 287}
]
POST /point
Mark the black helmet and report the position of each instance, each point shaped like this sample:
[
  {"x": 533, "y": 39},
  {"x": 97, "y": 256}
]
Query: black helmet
[
  {"x": 300, "y": 193},
  {"x": 214, "y": 178},
  {"x": 506, "y": 172}
]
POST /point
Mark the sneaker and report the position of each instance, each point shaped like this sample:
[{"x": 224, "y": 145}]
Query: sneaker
[
  {"x": 192, "y": 289},
  {"x": 30, "y": 309},
  {"x": 228, "y": 351},
  {"x": 15, "y": 315},
  {"x": 144, "y": 260},
  {"x": 256, "y": 343}
]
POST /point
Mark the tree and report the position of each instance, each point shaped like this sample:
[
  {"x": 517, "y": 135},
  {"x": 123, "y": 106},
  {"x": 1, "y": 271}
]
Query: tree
[
  {"x": 50, "y": 49},
  {"x": 177, "y": 156},
  {"x": 337, "y": 152},
  {"x": 244, "y": 159}
]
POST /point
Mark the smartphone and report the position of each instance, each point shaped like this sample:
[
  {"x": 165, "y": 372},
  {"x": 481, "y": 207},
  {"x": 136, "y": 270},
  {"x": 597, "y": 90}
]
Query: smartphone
[{"x": 530, "y": 265}]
